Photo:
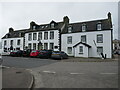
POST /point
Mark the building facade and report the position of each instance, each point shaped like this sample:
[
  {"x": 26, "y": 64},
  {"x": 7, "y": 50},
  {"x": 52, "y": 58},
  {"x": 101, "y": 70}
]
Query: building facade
[{"x": 82, "y": 39}]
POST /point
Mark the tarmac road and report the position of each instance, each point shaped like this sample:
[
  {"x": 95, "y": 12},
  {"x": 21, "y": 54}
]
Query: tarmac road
[{"x": 57, "y": 74}]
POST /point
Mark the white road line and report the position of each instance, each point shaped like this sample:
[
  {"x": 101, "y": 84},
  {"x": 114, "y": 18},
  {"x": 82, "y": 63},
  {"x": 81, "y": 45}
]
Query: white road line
[
  {"x": 49, "y": 72},
  {"x": 76, "y": 73},
  {"x": 108, "y": 73}
]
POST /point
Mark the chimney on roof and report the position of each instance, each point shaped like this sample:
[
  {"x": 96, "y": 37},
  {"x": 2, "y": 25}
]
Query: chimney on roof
[
  {"x": 66, "y": 20},
  {"x": 32, "y": 24},
  {"x": 11, "y": 30},
  {"x": 109, "y": 15}
]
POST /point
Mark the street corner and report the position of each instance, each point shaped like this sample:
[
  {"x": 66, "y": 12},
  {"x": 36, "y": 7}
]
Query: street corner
[{"x": 16, "y": 78}]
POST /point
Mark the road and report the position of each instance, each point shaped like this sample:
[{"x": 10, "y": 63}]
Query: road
[{"x": 57, "y": 74}]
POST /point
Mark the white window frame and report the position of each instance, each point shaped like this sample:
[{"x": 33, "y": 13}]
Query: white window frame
[
  {"x": 80, "y": 49},
  {"x": 69, "y": 29},
  {"x": 69, "y": 50},
  {"x": 51, "y": 34},
  {"x": 69, "y": 40},
  {"x": 34, "y": 36},
  {"x": 45, "y": 35},
  {"x": 29, "y": 36},
  {"x": 99, "y": 26},
  {"x": 40, "y": 36},
  {"x": 83, "y": 37},
  {"x": 100, "y": 36},
  {"x": 83, "y": 27}
]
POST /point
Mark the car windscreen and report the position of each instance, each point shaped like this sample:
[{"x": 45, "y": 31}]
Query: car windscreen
[
  {"x": 55, "y": 52},
  {"x": 34, "y": 51}
]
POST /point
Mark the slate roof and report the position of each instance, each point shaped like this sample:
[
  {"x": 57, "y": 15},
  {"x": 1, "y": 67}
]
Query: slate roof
[
  {"x": 90, "y": 26},
  {"x": 15, "y": 34},
  {"x": 81, "y": 43}
]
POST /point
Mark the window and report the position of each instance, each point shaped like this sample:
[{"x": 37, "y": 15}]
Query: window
[
  {"x": 100, "y": 49},
  {"x": 34, "y": 36},
  {"x": 29, "y": 46},
  {"x": 81, "y": 49},
  {"x": 99, "y": 26},
  {"x": 29, "y": 36},
  {"x": 40, "y": 36},
  {"x": 18, "y": 42},
  {"x": 83, "y": 27},
  {"x": 52, "y": 35},
  {"x": 5, "y": 43},
  {"x": 69, "y": 29},
  {"x": 45, "y": 45},
  {"x": 34, "y": 27},
  {"x": 100, "y": 38},
  {"x": 69, "y": 50},
  {"x": 34, "y": 46},
  {"x": 52, "y": 25},
  {"x": 46, "y": 35},
  {"x": 11, "y": 42},
  {"x": 51, "y": 46},
  {"x": 69, "y": 40},
  {"x": 83, "y": 38}
]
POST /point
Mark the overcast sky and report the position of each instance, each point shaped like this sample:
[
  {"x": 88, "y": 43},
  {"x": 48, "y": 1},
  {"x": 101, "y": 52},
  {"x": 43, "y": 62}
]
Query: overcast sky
[{"x": 19, "y": 14}]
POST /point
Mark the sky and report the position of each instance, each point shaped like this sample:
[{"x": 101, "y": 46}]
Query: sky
[{"x": 18, "y": 15}]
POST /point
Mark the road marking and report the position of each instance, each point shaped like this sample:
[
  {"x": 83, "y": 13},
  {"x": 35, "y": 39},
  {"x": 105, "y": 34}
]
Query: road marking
[
  {"x": 108, "y": 73},
  {"x": 49, "y": 72},
  {"x": 76, "y": 73}
]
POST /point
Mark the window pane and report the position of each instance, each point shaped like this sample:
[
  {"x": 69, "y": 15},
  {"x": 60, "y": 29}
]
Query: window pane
[
  {"x": 52, "y": 35},
  {"x": 69, "y": 50},
  {"x": 34, "y": 46},
  {"x": 100, "y": 38},
  {"x": 69, "y": 29},
  {"x": 100, "y": 49},
  {"x": 18, "y": 42},
  {"x": 98, "y": 26},
  {"x": 29, "y": 46},
  {"x": 83, "y": 38},
  {"x": 83, "y": 27},
  {"x": 45, "y": 45},
  {"x": 69, "y": 40},
  {"x": 46, "y": 35},
  {"x": 51, "y": 46},
  {"x": 34, "y": 36},
  {"x": 81, "y": 49},
  {"x": 29, "y": 36},
  {"x": 40, "y": 36}
]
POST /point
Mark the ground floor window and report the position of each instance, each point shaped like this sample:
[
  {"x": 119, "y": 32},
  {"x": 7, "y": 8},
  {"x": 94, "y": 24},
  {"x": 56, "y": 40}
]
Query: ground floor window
[
  {"x": 5, "y": 49},
  {"x": 69, "y": 50},
  {"x": 51, "y": 46},
  {"x": 29, "y": 46},
  {"x": 45, "y": 45},
  {"x": 34, "y": 46},
  {"x": 100, "y": 49},
  {"x": 81, "y": 49}
]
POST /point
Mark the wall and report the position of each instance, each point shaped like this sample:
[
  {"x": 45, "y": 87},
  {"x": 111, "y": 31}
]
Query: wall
[
  {"x": 14, "y": 43},
  {"x": 90, "y": 36},
  {"x": 55, "y": 40}
]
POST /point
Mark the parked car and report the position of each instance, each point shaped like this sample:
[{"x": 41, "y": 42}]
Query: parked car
[
  {"x": 45, "y": 53},
  {"x": 34, "y": 53},
  {"x": 59, "y": 55},
  {"x": 17, "y": 53},
  {"x": 26, "y": 53}
]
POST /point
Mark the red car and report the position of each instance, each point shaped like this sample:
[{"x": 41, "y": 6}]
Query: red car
[{"x": 34, "y": 53}]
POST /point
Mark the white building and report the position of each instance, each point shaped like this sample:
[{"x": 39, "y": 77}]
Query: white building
[
  {"x": 82, "y": 39},
  {"x": 13, "y": 40},
  {"x": 88, "y": 39}
]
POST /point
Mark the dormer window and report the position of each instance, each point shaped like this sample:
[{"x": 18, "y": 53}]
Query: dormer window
[
  {"x": 52, "y": 25},
  {"x": 83, "y": 27},
  {"x": 42, "y": 26},
  {"x": 69, "y": 29},
  {"x": 34, "y": 27},
  {"x": 99, "y": 26}
]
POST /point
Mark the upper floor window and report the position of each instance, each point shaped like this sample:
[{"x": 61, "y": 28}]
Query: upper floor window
[
  {"x": 69, "y": 29},
  {"x": 52, "y": 25},
  {"x": 45, "y": 35},
  {"x": 5, "y": 42},
  {"x": 84, "y": 27},
  {"x": 18, "y": 42},
  {"x": 99, "y": 26},
  {"x": 100, "y": 38},
  {"x": 29, "y": 36},
  {"x": 34, "y": 36},
  {"x": 40, "y": 36},
  {"x": 83, "y": 38},
  {"x": 34, "y": 27},
  {"x": 11, "y": 42},
  {"x": 52, "y": 35},
  {"x": 69, "y": 40}
]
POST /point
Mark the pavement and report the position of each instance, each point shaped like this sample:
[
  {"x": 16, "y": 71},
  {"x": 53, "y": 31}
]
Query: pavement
[{"x": 16, "y": 78}]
